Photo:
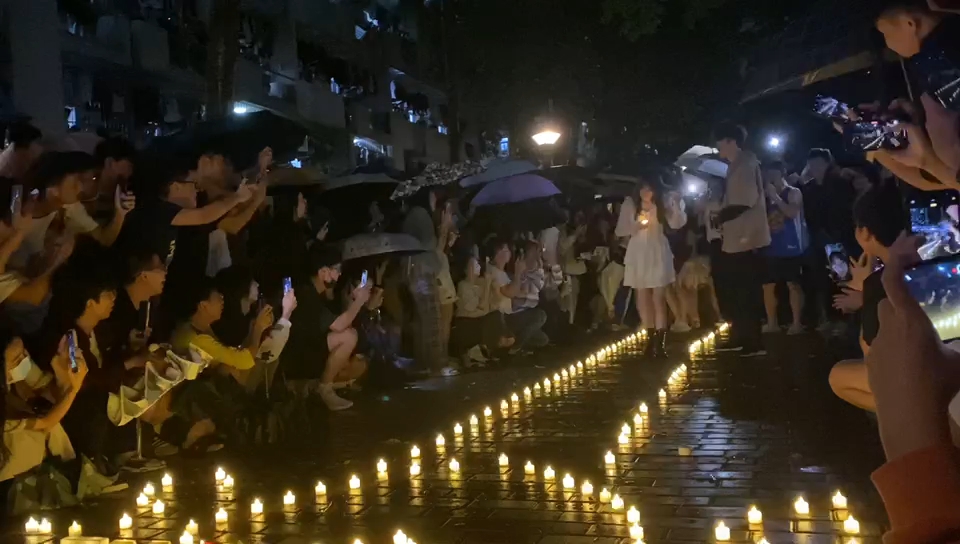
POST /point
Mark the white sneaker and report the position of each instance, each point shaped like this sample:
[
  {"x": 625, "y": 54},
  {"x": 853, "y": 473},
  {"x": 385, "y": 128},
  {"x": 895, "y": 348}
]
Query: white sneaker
[
  {"x": 680, "y": 326},
  {"x": 330, "y": 398},
  {"x": 476, "y": 354}
]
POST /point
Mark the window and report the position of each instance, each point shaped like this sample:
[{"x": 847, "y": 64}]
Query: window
[
  {"x": 505, "y": 147},
  {"x": 71, "y": 117},
  {"x": 442, "y": 129},
  {"x": 359, "y": 32}
]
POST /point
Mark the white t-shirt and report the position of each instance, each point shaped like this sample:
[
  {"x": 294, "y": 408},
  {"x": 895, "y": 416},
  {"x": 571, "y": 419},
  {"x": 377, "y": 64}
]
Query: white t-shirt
[
  {"x": 550, "y": 242},
  {"x": 500, "y": 279},
  {"x": 77, "y": 220}
]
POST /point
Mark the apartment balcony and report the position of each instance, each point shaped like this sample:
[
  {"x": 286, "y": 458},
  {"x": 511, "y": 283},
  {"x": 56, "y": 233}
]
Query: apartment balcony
[{"x": 108, "y": 44}]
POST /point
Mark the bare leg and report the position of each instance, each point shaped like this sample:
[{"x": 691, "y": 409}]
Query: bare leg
[
  {"x": 341, "y": 346},
  {"x": 642, "y": 298},
  {"x": 770, "y": 304},
  {"x": 673, "y": 302},
  {"x": 354, "y": 370},
  {"x": 712, "y": 295},
  {"x": 689, "y": 306},
  {"x": 659, "y": 306},
  {"x": 796, "y": 304},
  {"x": 199, "y": 430},
  {"x": 848, "y": 379}
]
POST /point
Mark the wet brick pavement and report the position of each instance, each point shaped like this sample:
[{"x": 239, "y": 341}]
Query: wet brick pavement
[{"x": 728, "y": 434}]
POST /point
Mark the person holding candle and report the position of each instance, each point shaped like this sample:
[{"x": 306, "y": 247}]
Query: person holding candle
[{"x": 649, "y": 260}]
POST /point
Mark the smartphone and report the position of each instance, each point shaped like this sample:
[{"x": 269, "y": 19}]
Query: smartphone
[
  {"x": 364, "y": 278},
  {"x": 939, "y": 75},
  {"x": 288, "y": 285},
  {"x": 72, "y": 349},
  {"x": 935, "y": 284},
  {"x": 16, "y": 200},
  {"x": 863, "y": 130}
]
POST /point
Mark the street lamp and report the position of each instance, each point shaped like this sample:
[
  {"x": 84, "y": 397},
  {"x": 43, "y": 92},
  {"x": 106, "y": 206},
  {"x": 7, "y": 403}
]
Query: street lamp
[
  {"x": 546, "y": 137},
  {"x": 774, "y": 142}
]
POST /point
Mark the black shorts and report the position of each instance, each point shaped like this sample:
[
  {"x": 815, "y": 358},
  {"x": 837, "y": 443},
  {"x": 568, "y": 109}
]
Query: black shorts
[{"x": 783, "y": 270}]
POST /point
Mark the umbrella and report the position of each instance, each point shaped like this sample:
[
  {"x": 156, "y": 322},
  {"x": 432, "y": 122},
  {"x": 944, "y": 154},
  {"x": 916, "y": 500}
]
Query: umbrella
[
  {"x": 498, "y": 169},
  {"x": 376, "y": 244},
  {"x": 436, "y": 174},
  {"x": 360, "y": 179},
  {"x": 296, "y": 177},
  {"x": 702, "y": 159},
  {"x": 530, "y": 216},
  {"x": 239, "y": 138},
  {"x": 515, "y": 189}
]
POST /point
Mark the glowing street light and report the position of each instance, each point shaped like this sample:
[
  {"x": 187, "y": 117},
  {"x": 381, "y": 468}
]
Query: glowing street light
[
  {"x": 775, "y": 142},
  {"x": 546, "y": 137}
]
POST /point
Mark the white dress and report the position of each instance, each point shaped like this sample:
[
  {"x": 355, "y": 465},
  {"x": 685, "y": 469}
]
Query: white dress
[{"x": 649, "y": 261}]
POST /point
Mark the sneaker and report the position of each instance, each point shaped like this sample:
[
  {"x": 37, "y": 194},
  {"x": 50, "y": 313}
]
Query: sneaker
[
  {"x": 330, "y": 398},
  {"x": 143, "y": 465},
  {"x": 680, "y": 326},
  {"x": 770, "y": 328},
  {"x": 449, "y": 371},
  {"x": 162, "y": 448},
  {"x": 795, "y": 329},
  {"x": 753, "y": 352},
  {"x": 476, "y": 354}
]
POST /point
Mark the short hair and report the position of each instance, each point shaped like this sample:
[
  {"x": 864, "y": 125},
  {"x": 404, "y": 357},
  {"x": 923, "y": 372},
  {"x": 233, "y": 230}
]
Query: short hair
[
  {"x": 730, "y": 131},
  {"x": 53, "y": 166},
  {"x": 323, "y": 256},
  {"x": 881, "y": 212},
  {"x": 114, "y": 148},
  {"x": 820, "y": 153},
  {"x": 21, "y": 134},
  {"x": 890, "y": 8},
  {"x": 141, "y": 260},
  {"x": 201, "y": 290},
  {"x": 775, "y": 165},
  {"x": 234, "y": 281}
]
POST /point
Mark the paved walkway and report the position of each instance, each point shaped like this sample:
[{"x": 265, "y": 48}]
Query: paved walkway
[{"x": 728, "y": 434}]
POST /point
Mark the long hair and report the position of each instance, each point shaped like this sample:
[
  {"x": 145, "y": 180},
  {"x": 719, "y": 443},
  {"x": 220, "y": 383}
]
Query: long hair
[
  {"x": 656, "y": 186},
  {"x": 6, "y": 336}
]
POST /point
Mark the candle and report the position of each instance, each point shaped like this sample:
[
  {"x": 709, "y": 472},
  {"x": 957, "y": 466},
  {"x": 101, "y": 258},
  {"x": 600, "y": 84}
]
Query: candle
[
  {"x": 487, "y": 412},
  {"x": 320, "y": 489},
  {"x": 46, "y": 527},
  {"x": 839, "y": 501},
  {"x": 851, "y": 526},
  {"x": 454, "y": 465},
  {"x": 754, "y": 516},
  {"x": 186, "y": 538},
  {"x": 801, "y": 506},
  {"x": 158, "y": 507},
  {"x": 568, "y": 482},
  {"x": 32, "y": 526},
  {"x": 643, "y": 408},
  {"x": 166, "y": 481},
  {"x": 148, "y": 490},
  {"x": 289, "y": 499},
  {"x": 503, "y": 460},
  {"x": 722, "y": 532},
  {"x": 414, "y": 452},
  {"x": 193, "y": 528},
  {"x": 586, "y": 488},
  {"x": 623, "y": 439},
  {"x": 75, "y": 529},
  {"x": 354, "y": 482},
  {"x": 504, "y": 405},
  {"x": 573, "y": 369},
  {"x": 529, "y": 468},
  {"x": 399, "y": 538},
  {"x": 227, "y": 482},
  {"x": 625, "y": 429},
  {"x": 636, "y": 532},
  {"x": 473, "y": 420},
  {"x": 580, "y": 365},
  {"x": 526, "y": 392},
  {"x": 616, "y": 502},
  {"x": 381, "y": 466},
  {"x": 143, "y": 500},
  {"x": 609, "y": 458},
  {"x": 440, "y": 441},
  {"x": 220, "y": 474},
  {"x": 415, "y": 469},
  {"x": 514, "y": 397},
  {"x": 633, "y": 515},
  {"x": 564, "y": 373},
  {"x": 221, "y": 516},
  {"x": 536, "y": 387},
  {"x": 126, "y": 522},
  {"x": 548, "y": 473},
  {"x": 763, "y": 540},
  {"x": 604, "y": 495},
  {"x": 556, "y": 377},
  {"x": 663, "y": 394},
  {"x": 637, "y": 419},
  {"x": 256, "y": 507},
  {"x": 457, "y": 429}
]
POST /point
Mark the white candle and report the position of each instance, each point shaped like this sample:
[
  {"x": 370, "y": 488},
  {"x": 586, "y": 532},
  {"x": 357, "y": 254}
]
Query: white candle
[
  {"x": 474, "y": 421},
  {"x": 454, "y": 465},
  {"x": 568, "y": 482},
  {"x": 514, "y": 397},
  {"x": 503, "y": 460},
  {"x": 289, "y": 499},
  {"x": 536, "y": 387},
  {"x": 643, "y": 408},
  {"x": 504, "y": 405},
  {"x": 623, "y": 439},
  {"x": 754, "y": 516},
  {"x": 220, "y": 474},
  {"x": 526, "y": 392},
  {"x": 158, "y": 507},
  {"x": 320, "y": 489},
  {"x": 633, "y": 515},
  {"x": 256, "y": 507},
  {"x": 851, "y": 526},
  {"x": 722, "y": 532},
  {"x": 227, "y": 482},
  {"x": 354, "y": 482},
  {"x": 637, "y": 419},
  {"x": 609, "y": 458},
  {"x": 75, "y": 529},
  {"x": 636, "y": 532},
  {"x": 839, "y": 501},
  {"x": 166, "y": 482},
  {"x": 573, "y": 369},
  {"x": 564, "y": 373},
  {"x": 548, "y": 473},
  {"x": 381, "y": 466},
  {"x": 487, "y": 412},
  {"x": 457, "y": 429},
  {"x": 529, "y": 468},
  {"x": 801, "y": 506},
  {"x": 399, "y": 538},
  {"x": 580, "y": 365},
  {"x": 440, "y": 441},
  {"x": 186, "y": 538},
  {"x": 148, "y": 490},
  {"x": 126, "y": 522},
  {"x": 625, "y": 429},
  {"x": 193, "y": 528},
  {"x": 143, "y": 500},
  {"x": 586, "y": 488},
  {"x": 556, "y": 377},
  {"x": 415, "y": 469},
  {"x": 414, "y": 452},
  {"x": 45, "y": 527},
  {"x": 32, "y": 526},
  {"x": 616, "y": 502},
  {"x": 604, "y": 495},
  {"x": 221, "y": 516},
  {"x": 663, "y": 394}
]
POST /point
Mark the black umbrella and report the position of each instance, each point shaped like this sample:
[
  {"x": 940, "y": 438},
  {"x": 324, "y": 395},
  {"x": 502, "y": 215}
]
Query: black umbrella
[
  {"x": 529, "y": 216},
  {"x": 239, "y": 138}
]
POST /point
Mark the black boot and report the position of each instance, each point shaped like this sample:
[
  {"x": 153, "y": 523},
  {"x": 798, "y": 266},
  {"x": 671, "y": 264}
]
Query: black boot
[
  {"x": 649, "y": 349},
  {"x": 660, "y": 347}
]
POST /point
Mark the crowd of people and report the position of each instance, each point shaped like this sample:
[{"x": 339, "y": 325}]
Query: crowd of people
[{"x": 173, "y": 298}]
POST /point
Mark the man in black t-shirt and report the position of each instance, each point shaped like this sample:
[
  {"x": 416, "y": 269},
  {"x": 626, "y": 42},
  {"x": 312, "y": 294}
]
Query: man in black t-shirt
[{"x": 879, "y": 218}]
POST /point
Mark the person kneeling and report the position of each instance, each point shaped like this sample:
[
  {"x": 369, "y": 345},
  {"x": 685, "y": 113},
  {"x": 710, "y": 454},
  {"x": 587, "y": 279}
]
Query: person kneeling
[{"x": 319, "y": 334}]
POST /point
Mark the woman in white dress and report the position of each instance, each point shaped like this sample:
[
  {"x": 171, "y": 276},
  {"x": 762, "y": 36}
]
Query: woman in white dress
[{"x": 649, "y": 261}]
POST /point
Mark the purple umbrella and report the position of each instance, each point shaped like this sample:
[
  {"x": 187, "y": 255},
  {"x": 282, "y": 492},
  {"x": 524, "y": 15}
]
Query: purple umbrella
[{"x": 515, "y": 189}]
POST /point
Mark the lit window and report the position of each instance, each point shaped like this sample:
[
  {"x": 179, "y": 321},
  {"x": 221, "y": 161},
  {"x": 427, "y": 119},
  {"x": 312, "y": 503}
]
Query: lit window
[
  {"x": 71, "y": 117},
  {"x": 504, "y": 147},
  {"x": 359, "y": 32},
  {"x": 442, "y": 129}
]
